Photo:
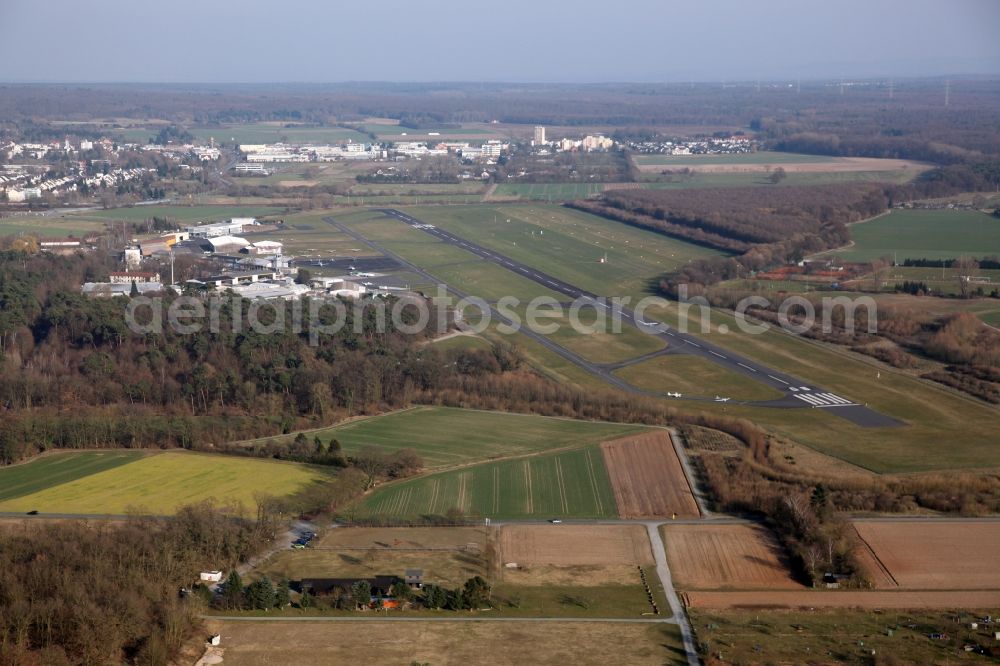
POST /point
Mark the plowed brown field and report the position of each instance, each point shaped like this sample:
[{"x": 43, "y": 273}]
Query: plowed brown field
[
  {"x": 970, "y": 599},
  {"x": 959, "y": 555},
  {"x": 647, "y": 477},
  {"x": 717, "y": 557},
  {"x": 575, "y": 544}
]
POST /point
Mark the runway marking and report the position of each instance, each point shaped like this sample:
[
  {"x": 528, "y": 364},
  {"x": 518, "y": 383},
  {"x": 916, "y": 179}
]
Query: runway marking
[
  {"x": 694, "y": 343},
  {"x": 716, "y": 353},
  {"x": 824, "y": 400},
  {"x": 744, "y": 365},
  {"x": 778, "y": 379}
]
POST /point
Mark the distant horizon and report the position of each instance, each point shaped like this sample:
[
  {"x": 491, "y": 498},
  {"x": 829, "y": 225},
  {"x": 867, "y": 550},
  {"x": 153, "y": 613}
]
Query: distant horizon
[
  {"x": 498, "y": 82},
  {"x": 587, "y": 41}
]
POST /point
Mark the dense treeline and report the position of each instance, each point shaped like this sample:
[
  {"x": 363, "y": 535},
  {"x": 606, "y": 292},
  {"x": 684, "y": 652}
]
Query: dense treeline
[
  {"x": 813, "y": 117},
  {"x": 763, "y": 226},
  {"x": 83, "y": 593},
  {"x": 74, "y": 375}
]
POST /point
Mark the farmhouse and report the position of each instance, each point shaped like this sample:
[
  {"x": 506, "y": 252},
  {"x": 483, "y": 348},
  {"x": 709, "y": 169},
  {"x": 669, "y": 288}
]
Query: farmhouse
[
  {"x": 381, "y": 586},
  {"x": 414, "y": 578}
]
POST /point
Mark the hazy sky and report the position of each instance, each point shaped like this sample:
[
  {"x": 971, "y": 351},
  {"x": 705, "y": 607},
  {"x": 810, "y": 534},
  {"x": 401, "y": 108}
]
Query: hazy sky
[{"x": 504, "y": 40}]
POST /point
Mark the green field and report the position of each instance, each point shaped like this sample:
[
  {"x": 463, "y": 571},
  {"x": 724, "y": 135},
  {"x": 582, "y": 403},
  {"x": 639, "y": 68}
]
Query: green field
[
  {"x": 184, "y": 214},
  {"x": 549, "y": 191},
  {"x": 694, "y": 376},
  {"x": 159, "y": 483},
  {"x": 53, "y": 470},
  {"x": 931, "y": 234},
  {"x": 444, "y": 436},
  {"x": 572, "y": 484},
  {"x": 51, "y": 227},
  {"x": 568, "y": 244}
]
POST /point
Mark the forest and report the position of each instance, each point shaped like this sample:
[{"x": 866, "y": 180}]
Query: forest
[{"x": 98, "y": 593}]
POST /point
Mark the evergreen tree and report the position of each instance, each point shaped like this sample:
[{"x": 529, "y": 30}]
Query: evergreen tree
[
  {"x": 283, "y": 594},
  {"x": 361, "y": 593},
  {"x": 476, "y": 592},
  {"x": 260, "y": 594},
  {"x": 232, "y": 596}
]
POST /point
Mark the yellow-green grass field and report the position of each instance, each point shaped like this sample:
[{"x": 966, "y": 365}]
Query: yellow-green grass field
[
  {"x": 571, "y": 484},
  {"x": 694, "y": 376},
  {"x": 444, "y": 436},
  {"x": 57, "y": 468},
  {"x": 159, "y": 483}
]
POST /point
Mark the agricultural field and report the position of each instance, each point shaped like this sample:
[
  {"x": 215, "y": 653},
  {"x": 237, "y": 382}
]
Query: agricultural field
[
  {"x": 569, "y": 244},
  {"x": 647, "y": 477},
  {"x": 572, "y": 484},
  {"x": 959, "y": 555},
  {"x": 158, "y": 483},
  {"x": 742, "y": 636},
  {"x": 514, "y": 643},
  {"x": 58, "y": 468},
  {"x": 656, "y": 180},
  {"x": 726, "y": 557},
  {"x": 575, "y": 545},
  {"x": 448, "y": 555},
  {"x": 875, "y": 600},
  {"x": 694, "y": 376},
  {"x": 444, "y": 436},
  {"x": 930, "y": 234},
  {"x": 764, "y": 160}
]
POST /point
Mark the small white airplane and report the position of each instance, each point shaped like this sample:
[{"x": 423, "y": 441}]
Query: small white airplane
[
  {"x": 673, "y": 394},
  {"x": 364, "y": 274},
  {"x": 721, "y": 399}
]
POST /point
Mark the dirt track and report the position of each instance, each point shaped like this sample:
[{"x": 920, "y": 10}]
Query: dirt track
[
  {"x": 931, "y": 556},
  {"x": 575, "y": 544},
  {"x": 647, "y": 477},
  {"x": 844, "y": 599},
  {"x": 717, "y": 557}
]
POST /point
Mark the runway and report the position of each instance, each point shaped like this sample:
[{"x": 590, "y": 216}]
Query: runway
[{"x": 798, "y": 394}]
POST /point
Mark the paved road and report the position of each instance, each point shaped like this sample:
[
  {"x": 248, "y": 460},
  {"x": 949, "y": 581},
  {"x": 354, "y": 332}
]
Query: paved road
[
  {"x": 797, "y": 392},
  {"x": 676, "y": 609}
]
